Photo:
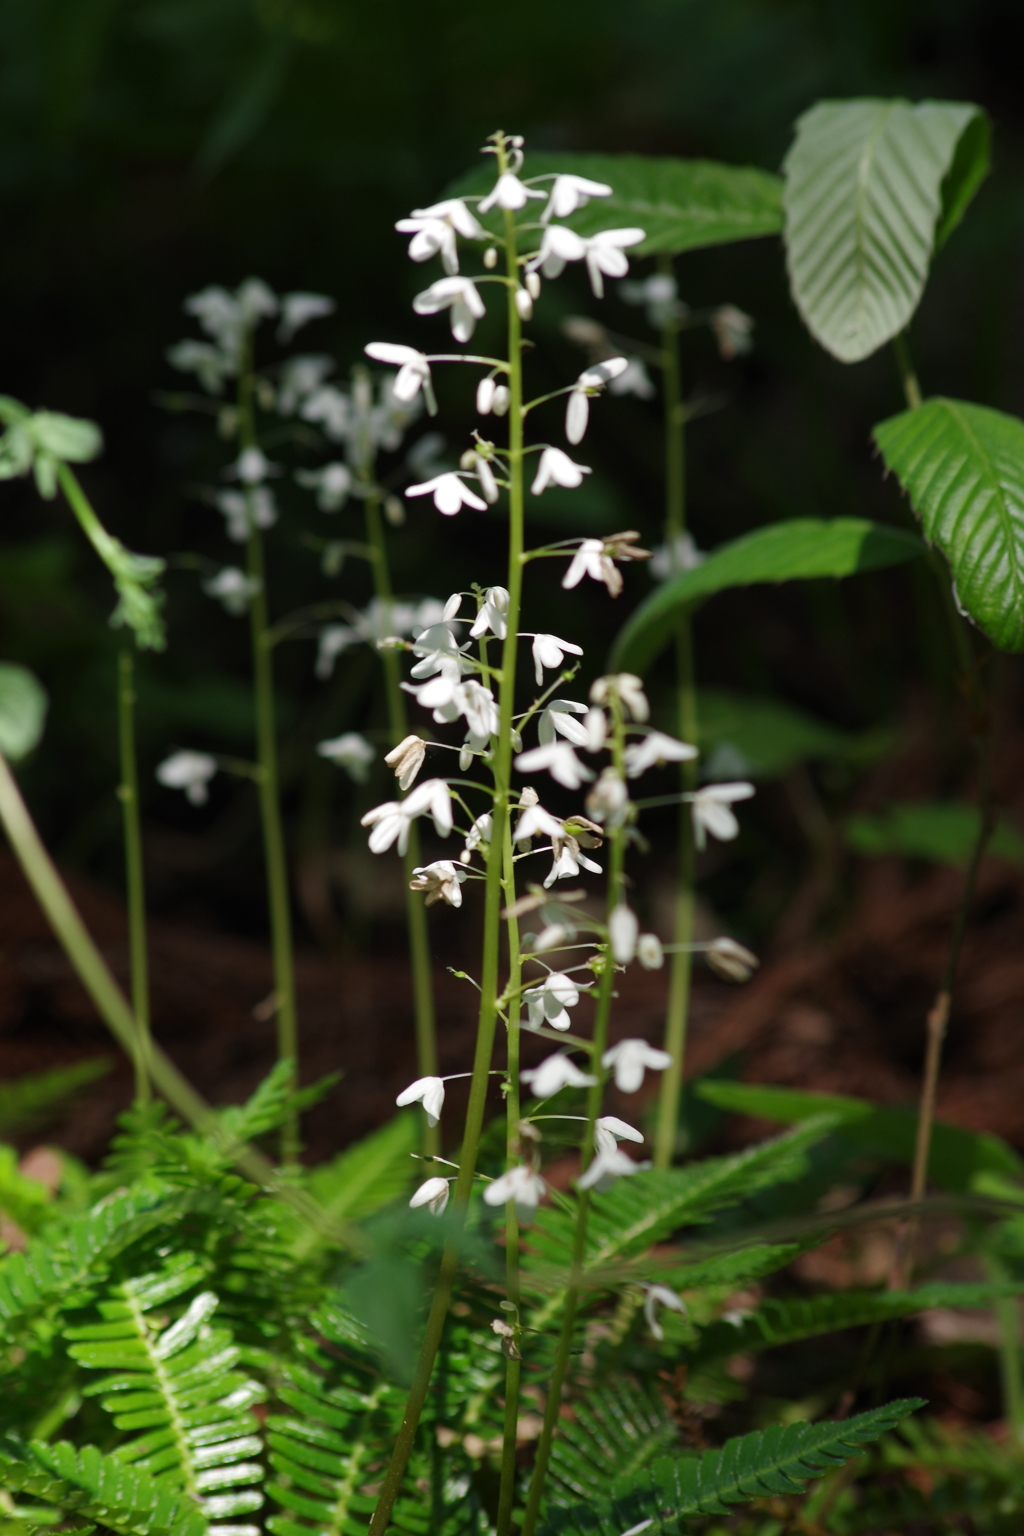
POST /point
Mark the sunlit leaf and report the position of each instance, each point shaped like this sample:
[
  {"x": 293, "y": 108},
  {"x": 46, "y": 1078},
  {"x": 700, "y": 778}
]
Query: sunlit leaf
[
  {"x": 873, "y": 187},
  {"x": 23, "y": 705},
  {"x": 963, "y": 467}
]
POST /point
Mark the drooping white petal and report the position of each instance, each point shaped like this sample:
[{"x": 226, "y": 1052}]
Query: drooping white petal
[
  {"x": 556, "y": 468},
  {"x": 623, "y": 928},
  {"x": 428, "y": 1091}
]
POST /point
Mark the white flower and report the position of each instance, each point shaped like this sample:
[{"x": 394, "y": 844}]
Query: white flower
[
  {"x": 210, "y": 365},
  {"x": 459, "y": 294},
  {"x": 297, "y": 309},
  {"x": 479, "y": 465},
  {"x": 190, "y": 771},
  {"x": 680, "y": 555},
  {"x": 331, "y": 483},
  {"x": 596, "y": 725},
  {"x": 227, "y": 316},
  {"x": 730, "y": 960},
  {"x": 476, "y": 703},
  {"x": 609, "y": 1130},
  {"x": 627, "y": 688},
  {"x": 656, "y": 748},
  {"x": 520, "y": 1184},
  {"x": 450, "y": 493},
  {"x": 559, "y": 759},
  {"x": 508, "y": 192},
  {"x": 535, "y": 821},
  {"x": 233, "y": 588},
  {"x": 492, "y": 615},
  {"x": 351, "y": 752},
  {"x": 391, "y": 821},
  {"x": 590, "y": 382},
  {"x": 491, "y": 396},
  {"x": 554, "y": 1074},
  {"x": 608, "y": 801},
  {"x": 378, "y": 622},
  {"x": 711, "y": 807},
  {"x": 245, "y": 511},
  {"x": 630, "y": 1059},
  {"x": 554, "y": 936},
  {"x": 568, "y": 861},
  {"x": 634, "y": 380},
  {"x": 434, "y": 233},
  {"x": 556, "y": 468},
  {"x": 558, "y": 716},
  {"x": 623, "y": 928},
  {"x": 407, "y": 759},
  {"x": 569, "y": 193},
  {"x": 660, "y": 297},
  {"x": 480, "y": 832},
  {"x": 547, "y": 1003},
  {"x": 439, "y": 650},
  {"x": 428, "y": 1091},
  {"x": 591, "y": 560},
  {"x": 331, "y": 408},
  {"x": 251, "y": 467},
  {"x": 606, "y": 255},
  {"x": 549, "y": 651},
  {"x": 667, "y": 1298},
  {"x": 608, "y": 1165},
  {"x": 558, "y": 245},
  {"x": 299, "y": 377},
  {"x": 649, "y": 952},
  {"x": 732, "y": 331},
  {"x": 433, "y": 1194},
  {"x": 413, "y": 371},
  {"x": 441, "y": 880}
]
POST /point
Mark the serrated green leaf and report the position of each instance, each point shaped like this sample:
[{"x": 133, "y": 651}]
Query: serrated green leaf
[
  {"x": 87, "y": 1482},
  {"x": 681, "y": 205},
  {"x": 799, "y": 549},
  {"x": 963, "y": 468},
  {"x": 618, "y": 1424},
  {"x": 946, "y": 832},
  {"x": 23, "y": 706},
  {"x": 872, "y": 187}
]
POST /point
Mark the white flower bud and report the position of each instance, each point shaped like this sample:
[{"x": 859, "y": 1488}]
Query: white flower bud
[
  {"x": 731, "y": 961},
  {"x": 596, "y": 727},
  {"x": 524, "y": 304},
  {"x": 465, "y": 759},
  {"x": 622, "y": 932},
  {"x": 649, "y": 952},
  {"x": 488, "y": 484},
  {"x": 485, "y": 395},
  {"x": 490, "y": 258},
  {"x": 528, "y": 797},
  {"x": 394, "y": 511},
  {"x": 407, "y": 759},
  {"x": 502, "y": 400},
  {"x": 533, "y": 284}
]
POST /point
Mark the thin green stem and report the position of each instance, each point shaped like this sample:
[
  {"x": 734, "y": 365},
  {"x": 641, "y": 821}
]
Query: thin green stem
[
  {"x": 678, "y": 1009},
  {"x": 278, "y": 897},
  {"x": 128, "y": 793},
  {"x": 1008, "y": 1319},
  {"x": 489, "y": 990},
  {"x": 415, "y": 911},
  {"x": 908, "y": 378},
  {"x": 506, "y": 1493}
]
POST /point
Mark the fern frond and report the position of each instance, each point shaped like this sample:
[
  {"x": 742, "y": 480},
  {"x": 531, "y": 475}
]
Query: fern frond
[
  {"x": 86, "y": 1482},
  {"x": 779, "y": 1460},
  {"x": 367, "y": 1176},
  {"x": 775, "y": 1323},
  {"x": 620, "y": 1425},
  {"x": 177, "y": 1384},
  {"x": 26, "y": 1100},
  {"x": 274, "y": 1099}
]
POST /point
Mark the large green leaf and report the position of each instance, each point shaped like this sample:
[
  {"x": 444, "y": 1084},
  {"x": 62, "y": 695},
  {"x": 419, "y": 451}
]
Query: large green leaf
[
  {"x": 23, "y": 705},
  {"x": 796, "y": 550},
  {"x": 946, "y": 832},
  {"x": 681, "y": 204},
  {"x": 745, "y": 736},
  {"x": 963, "y": 468},
  {"x": 872, "y": 189}
]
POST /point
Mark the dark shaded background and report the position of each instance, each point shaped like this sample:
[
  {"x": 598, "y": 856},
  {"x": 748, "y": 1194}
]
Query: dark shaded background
[{"x": 150, "y": 148}]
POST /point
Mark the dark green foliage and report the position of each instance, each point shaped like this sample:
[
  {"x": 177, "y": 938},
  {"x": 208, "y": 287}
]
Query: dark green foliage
[
  {"x": 88, "y": 1483},
  {"x": 620, "y": 1424}
]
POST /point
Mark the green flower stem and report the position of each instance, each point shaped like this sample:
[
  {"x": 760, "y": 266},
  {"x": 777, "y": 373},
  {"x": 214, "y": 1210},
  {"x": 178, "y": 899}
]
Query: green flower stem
[
  {"x": 489, "y": 991},
  {"x": 128, "y": 793},
  {"x": 513, "y": 1365},
  {"x": 616, "y": 859},
  {"x": 268, "y": 785},
  {"x": 415, "y": 911},
  {"x": 678, "y": 1011},
  {"x": 908, "y": 378}
]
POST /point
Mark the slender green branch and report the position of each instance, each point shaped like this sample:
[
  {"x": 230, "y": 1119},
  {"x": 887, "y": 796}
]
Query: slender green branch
[
  {"x": 128, "y": 793},
  {"x": 908, "y": 378},
  {"x": 506, "y": 1493}
]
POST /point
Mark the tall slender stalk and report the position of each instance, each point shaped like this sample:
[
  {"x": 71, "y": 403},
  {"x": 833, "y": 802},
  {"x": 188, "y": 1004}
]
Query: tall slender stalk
[
  {"x": 487, "y": 1016},
  {"x": 128, "y": 793},
  {"x": 415, "y": 911},
  {"x": 267, "y": 780},
  {"x": 506, "y": 1493},
  {"x": 677, "y": 1014}
]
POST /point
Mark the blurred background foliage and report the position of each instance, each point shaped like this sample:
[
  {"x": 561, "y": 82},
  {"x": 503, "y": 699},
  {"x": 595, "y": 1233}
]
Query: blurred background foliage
[{"x": 149, "y": 147}]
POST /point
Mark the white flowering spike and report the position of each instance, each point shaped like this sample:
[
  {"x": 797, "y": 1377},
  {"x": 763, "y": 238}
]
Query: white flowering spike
[
  {"x": 631, "y": 1058},
  {"x": 413, "y": 371},
  {"x": 590, "y": 382},
  {"x": 712, "y": 810},
  {"x": 508, "y": 192},
  {"x": 655, "y": 750},
  {"x": 623, "y": 929},
  {"x": 233, "y": 588},
  {"x": 246, "y": 511},
  {"x": 428, "y": 1091},
  {"x": 190, "y": 771},
  {"x": 547, "y": 1004},
  {"x": 558, "y": 246},
  {"x": 559, "y": 716},
  {"x": 549, "y": 651},
  {"x": 560, "y": 761},
  {"x": 298, "y": 309},
  {"x": 591, "y": 560},
  {"x": 330, "y": 409},
  {"x": 554, "y": 1074},
  {"x": 450, "y": 493},
  {"x": 521, "y": 1185},
  {"x": 210, "y": 365},
  {"x": 730, "y": 960},
  {"x": 608, "y": 801},
  {"x": 568, "y": 193},
  {"x": 407, "y": 759},
  {"x": 332, "y": 484},
  {"x": 660, "y": 1295},
  {"x": 433, "y": 1194},
  {"x": 556, "y": 468},
  {"x": 649, "y": 952},
  {"x": 609, "y": 1131},
  {"x": 606, "y": 255},
  {"x": 609, "y": 1165},
  {"x": 627, "y": 688},
  {"x": 442, "y": 881},
  {"x": 493, "y": 614},
  {"x": 459, "y": 294},
  {"x": 390, "y": 822},
  {"x": 351, "y": 752}
]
